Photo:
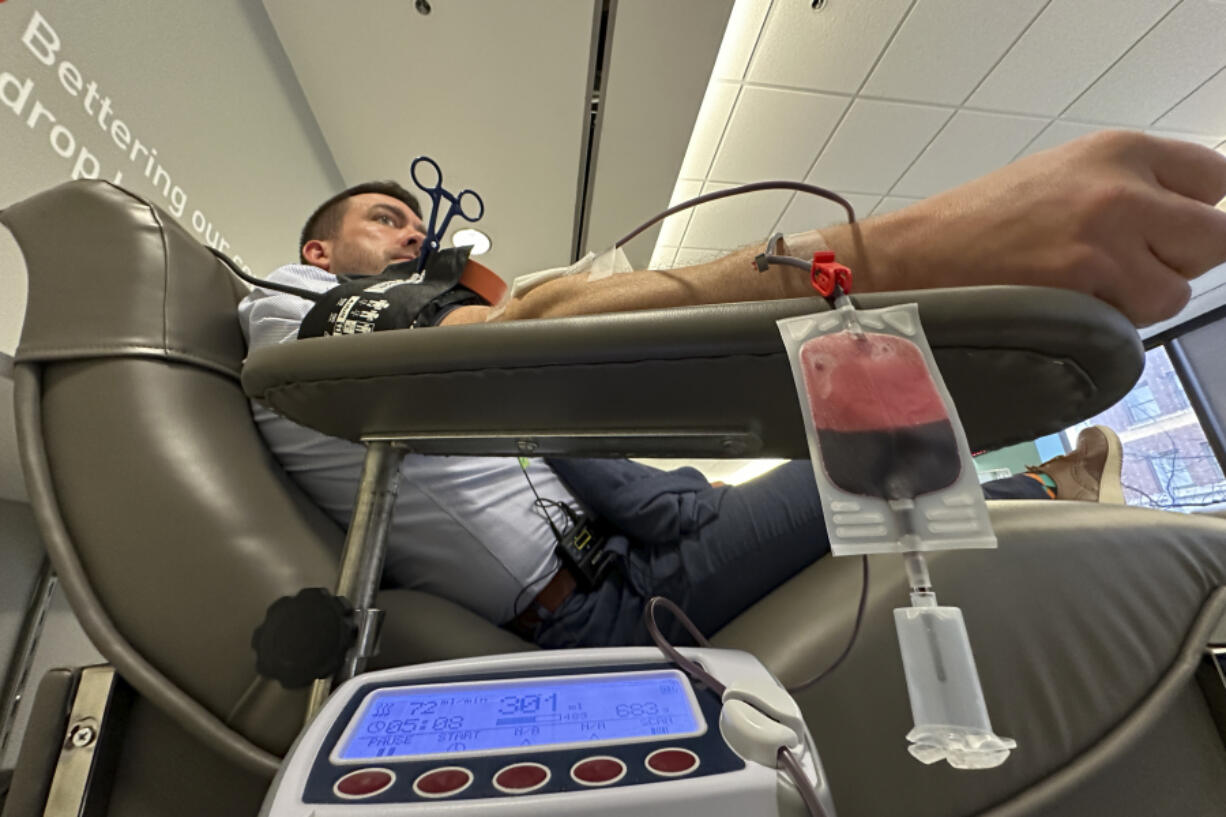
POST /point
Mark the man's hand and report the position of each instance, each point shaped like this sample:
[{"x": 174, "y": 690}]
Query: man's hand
[{"x": 1125, "y": 217}]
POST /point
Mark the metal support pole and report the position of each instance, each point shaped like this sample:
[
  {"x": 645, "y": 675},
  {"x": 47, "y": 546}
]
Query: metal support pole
[{"x": 362, "y": 562}]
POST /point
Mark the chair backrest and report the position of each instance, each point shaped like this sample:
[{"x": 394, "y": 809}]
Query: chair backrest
[{"x": 168, "y": 521}]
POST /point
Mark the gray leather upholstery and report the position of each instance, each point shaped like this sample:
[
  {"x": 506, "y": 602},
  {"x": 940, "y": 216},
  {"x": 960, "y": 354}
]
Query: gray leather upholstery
[
  {"x": 116, "y": 277},
  {"x": 1077, "y": 621},
  {"x": 167, "y": 520},
  {"x": 172, "y": 529},
  {"x": 1020, "y": 362}
]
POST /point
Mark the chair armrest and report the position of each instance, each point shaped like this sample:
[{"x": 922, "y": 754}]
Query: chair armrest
[{"x": 1020, "y": 362}]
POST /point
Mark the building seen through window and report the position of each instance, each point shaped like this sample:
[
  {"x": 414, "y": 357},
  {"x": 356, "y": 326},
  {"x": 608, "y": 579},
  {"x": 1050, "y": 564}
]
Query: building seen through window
[
  {"x": 1141, "y": 404},
  {"x": 1167, "y": 459},
  {"x": 1168, "y": 462}
]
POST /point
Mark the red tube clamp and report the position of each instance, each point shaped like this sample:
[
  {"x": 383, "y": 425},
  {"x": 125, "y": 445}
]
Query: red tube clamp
[{"x": 827, "y": 274}]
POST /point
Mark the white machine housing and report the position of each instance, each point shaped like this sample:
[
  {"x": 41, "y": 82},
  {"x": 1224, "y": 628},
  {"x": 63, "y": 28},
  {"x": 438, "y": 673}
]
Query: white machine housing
[{"x": 728, "y": 778}]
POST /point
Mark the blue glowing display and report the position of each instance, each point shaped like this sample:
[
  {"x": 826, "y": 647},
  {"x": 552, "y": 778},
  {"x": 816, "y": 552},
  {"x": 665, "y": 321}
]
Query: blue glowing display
[{"x": 504, "y": 715}]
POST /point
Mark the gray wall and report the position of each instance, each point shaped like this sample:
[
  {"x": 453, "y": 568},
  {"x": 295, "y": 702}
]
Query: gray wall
[
  {"x": 203, "y": 87},
  {"x": 206, "y": 90}
]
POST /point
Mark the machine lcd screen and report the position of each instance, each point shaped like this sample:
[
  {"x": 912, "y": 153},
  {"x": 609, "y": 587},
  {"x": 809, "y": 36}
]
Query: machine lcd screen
[{"x": 513, "y": 714}]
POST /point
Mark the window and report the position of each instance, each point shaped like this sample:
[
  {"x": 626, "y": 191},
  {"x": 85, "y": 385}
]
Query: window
[
  {"x": 1141, "y": 405},
  {"x": 989, "y": 474},
  {"x": 1171, "y": 470},
  {"x": 1210, "y": 459},
  {"x": 1175, "y": 389},
  {"x": 1168, "y": 462}
]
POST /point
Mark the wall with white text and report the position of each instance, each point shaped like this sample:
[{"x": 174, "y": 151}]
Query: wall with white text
[{"x": 192, "y": 105}]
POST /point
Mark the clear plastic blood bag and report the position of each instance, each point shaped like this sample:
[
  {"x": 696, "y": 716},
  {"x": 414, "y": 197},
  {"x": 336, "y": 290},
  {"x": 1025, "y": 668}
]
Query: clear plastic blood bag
[
  {"x": 882, "y": 426},
  {"x": 891, "y": 461}
]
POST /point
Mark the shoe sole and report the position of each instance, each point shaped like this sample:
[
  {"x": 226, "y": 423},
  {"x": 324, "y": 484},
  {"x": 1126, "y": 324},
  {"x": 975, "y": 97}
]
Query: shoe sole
[{"x": 1110, "y": 489}]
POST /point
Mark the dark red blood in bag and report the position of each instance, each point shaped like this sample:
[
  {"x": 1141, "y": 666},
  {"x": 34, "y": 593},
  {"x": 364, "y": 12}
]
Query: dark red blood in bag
[{"x": 881, "y": 423}]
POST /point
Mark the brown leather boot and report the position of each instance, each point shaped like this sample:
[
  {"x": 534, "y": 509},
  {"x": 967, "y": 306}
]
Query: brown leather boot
[{"x": 1091, "y": 471}]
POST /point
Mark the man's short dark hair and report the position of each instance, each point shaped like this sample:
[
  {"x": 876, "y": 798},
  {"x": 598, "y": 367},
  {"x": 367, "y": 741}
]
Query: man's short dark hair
[{"x": 325, "y": 223}]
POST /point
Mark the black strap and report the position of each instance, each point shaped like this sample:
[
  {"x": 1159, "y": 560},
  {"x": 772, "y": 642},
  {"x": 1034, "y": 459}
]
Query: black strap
[{"x": 397, "y": 298}]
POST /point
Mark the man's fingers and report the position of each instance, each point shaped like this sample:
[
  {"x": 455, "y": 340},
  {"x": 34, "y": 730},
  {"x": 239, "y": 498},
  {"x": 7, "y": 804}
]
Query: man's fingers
[
  {"x": 1189, "y": 169},
  {"x": 1186, "y": 235},
  {"x": 1148, "y": 291}
]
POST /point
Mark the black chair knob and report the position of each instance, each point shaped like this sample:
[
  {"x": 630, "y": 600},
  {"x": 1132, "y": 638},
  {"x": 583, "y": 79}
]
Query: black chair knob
[{"x": 304, "y": 637}]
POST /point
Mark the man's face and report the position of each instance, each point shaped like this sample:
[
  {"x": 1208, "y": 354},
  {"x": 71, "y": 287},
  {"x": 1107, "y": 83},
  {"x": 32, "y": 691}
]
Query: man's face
[{"x": 376, "y": 231}]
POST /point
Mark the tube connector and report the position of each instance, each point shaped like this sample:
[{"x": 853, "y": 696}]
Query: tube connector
[{"x": 947, "y": 704}]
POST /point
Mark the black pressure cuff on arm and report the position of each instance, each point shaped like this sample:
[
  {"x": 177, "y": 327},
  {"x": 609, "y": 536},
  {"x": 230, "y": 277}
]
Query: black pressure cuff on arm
[
  {"x": 434, "y": 312},
  {"x": 397, "y": 298}
]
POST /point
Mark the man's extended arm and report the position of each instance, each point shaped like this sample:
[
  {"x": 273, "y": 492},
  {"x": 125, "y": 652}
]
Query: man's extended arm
[
  {"x": 1125, "y": 217},
  {"x": 731, "y": 278}
]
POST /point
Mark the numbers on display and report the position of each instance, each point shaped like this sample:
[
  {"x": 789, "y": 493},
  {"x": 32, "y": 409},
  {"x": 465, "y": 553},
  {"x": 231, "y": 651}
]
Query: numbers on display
[
  {"x": 410, "y": 725},
  {"x": 421, "y": 707},
  {"x": 637, "y": 710},
  {"x": 527, "y": 704}
]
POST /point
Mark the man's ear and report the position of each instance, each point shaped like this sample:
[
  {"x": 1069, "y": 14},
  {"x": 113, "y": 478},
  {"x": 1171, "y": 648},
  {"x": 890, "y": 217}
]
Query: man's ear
[{"x": 318, "y": 253}]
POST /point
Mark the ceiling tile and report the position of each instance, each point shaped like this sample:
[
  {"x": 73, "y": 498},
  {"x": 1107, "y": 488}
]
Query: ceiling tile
[
  {"x": 830, "y": 49},
  {"x": 744, "y": 28},
  {"x": 1202, "y": 112},
  {"x": 662, "y": 258},
  {"x": 687, "y": 257},
  {"x": 891, "y": 203},
  {"x": 875, "y": 143},
  {"x": 812, "y": 213},
  {"x": 933, "y": 60},
  {"x": 1068, "y": 47},
  {"x": 674, "y": 225},
  {"x": 734, "y": 221},
  {"x": 1057, "y": 133},
  {"x": 1207, "y": 141},
  {"x": 775, "y": 134},
  {"x": 1170, "y": 62},
  {"x": 971, "y": 145},
  {"x": 708, "y": 128}
]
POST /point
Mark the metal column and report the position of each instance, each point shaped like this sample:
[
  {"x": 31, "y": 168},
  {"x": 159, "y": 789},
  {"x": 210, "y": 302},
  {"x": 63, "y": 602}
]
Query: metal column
[{"x": 362, "y": 562}]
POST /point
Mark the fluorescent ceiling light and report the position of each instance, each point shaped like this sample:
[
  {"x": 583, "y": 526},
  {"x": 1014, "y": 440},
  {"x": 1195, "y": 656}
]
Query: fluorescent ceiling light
[{"x": 468, "y": 237}]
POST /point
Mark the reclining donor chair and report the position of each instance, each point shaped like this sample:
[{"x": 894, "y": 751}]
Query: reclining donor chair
[{"x": 172, "y": 528}]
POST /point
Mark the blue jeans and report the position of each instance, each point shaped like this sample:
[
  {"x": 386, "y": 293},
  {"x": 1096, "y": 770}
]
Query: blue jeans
[{"x": 767, "y": 531}]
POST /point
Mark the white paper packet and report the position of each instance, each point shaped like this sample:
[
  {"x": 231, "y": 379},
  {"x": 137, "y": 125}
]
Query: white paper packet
[{"x": 609, "y": 262}]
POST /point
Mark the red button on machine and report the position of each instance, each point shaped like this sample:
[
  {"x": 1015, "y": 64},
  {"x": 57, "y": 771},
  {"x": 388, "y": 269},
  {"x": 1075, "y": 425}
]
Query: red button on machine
[
  {"x": 598, "y": 771},
  {"x": 521, "y": 778},
  {"x": 672, "y": 762},
  {"x": 443, "y": 782},
  {"x": 363, "y": 783}
]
